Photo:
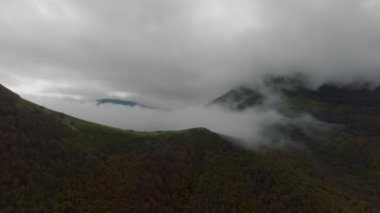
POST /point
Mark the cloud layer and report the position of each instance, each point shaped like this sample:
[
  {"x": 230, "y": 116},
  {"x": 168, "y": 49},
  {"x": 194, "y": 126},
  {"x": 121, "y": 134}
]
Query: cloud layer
[
  {"x": 246, "y": 127},
  {"x": 172, "y": 52}
]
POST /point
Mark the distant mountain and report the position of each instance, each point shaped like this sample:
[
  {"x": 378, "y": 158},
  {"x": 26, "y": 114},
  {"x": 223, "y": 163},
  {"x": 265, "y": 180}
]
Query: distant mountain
[
  {"x": 121, "y": 102},
  {"x": 243, "y": 97},
  {"x": 51, "y": 162},
  {"x": 285, "y": 83},
  {"x": 240, "y": 98}
]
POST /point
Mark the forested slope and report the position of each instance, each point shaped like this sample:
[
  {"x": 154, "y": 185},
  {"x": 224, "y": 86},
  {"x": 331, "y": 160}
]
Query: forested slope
[{"x": 51, "y": 162}]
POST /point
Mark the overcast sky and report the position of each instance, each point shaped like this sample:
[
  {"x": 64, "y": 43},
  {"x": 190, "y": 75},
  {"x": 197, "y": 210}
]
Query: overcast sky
[{"x": 176, "y": 52}]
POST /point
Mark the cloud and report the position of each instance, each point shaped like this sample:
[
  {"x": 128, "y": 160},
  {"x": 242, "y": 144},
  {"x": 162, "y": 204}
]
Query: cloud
[
  {"x": 180, "y": 55},
  {"x": 246, "y": 127},
  {"x": 177, "y": 53}
]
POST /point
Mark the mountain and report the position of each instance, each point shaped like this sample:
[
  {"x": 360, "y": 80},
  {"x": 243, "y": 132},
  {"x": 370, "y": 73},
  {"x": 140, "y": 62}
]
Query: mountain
[
  {"x": 243, "y": 97},
  {"x": 239, "y": 99},
  {"x": 121, "y": 102},
  {"x": 51, "y": 162}
]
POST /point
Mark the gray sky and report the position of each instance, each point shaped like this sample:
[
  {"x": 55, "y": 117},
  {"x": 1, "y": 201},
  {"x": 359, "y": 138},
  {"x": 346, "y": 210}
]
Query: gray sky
[{"x": 176, "y": 52}]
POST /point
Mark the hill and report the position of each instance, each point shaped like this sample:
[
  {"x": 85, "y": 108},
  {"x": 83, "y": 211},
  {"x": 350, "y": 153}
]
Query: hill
[
  {"x": 51, "y": 162},
  {"x": 121, "y": 102}
]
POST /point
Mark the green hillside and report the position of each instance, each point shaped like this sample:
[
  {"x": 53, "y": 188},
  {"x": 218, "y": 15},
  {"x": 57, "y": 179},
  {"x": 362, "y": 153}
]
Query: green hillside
[{"x": 51, "y": 162}]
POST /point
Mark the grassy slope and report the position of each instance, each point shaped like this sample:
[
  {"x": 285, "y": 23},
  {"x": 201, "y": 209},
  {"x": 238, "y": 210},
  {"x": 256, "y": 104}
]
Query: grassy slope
[{"x": 69, "y": 165}]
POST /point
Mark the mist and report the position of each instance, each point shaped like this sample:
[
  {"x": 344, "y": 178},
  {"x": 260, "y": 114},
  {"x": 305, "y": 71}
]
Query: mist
[
  {"x": 245, "y": 127},
  {"x": 251, "y": 128}
]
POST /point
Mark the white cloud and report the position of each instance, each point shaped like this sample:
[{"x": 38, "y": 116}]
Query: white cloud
[
  {"x": 246, "y": 126},
  {"x": 184, "y": 52},
  {"x": 122, "y": 94},
  {"x": 225, "y": 19},
  {"x": 42, "y": 88}
]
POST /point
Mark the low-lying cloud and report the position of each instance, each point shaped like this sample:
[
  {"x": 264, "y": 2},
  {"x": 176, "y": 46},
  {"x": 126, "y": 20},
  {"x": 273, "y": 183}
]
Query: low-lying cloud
[
  {"x": 250, "y": 128},
  {"x": 244, "y": 126}
]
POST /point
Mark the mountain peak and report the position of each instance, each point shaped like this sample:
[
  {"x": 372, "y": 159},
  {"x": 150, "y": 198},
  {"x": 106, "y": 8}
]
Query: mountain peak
[{"x": 239, "y": 99}]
